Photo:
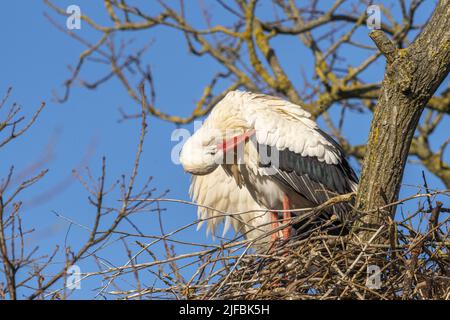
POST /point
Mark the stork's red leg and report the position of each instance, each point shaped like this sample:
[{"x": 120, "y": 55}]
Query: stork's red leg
[
  {"x": 274, "y": 225},
  {"x": 286, "y": 218}
]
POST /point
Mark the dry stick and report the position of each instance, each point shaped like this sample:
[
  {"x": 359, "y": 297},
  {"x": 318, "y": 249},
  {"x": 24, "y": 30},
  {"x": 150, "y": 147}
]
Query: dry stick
[
  {"x": 134, "y": 172},
  {"x": 409, "y": 276},
  {"x": 232, "y": 270},
  {"x": 354, "y": 262},
  {"x": 336, "y": 267},
  {"x": 434, "y": 219}
]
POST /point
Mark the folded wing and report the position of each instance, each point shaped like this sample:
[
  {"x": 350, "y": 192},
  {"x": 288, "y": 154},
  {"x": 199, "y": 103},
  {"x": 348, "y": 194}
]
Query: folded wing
[{"x": 306, "y": 159}]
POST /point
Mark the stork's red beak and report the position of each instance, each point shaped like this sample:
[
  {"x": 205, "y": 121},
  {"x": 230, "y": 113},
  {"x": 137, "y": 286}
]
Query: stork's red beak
[{"x": 232, "y": 143}]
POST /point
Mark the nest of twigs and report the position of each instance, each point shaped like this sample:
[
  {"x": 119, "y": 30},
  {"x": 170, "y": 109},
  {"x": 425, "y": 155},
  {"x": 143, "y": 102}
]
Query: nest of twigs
[
  {"x": 327, "y": 267},
  {"x": 397, "y": 262},
  {"x": 403, "y": 259}
]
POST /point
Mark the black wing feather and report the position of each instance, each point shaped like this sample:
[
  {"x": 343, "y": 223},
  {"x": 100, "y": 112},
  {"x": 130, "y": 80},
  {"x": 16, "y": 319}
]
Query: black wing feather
[{"x": 317, "y": 180}]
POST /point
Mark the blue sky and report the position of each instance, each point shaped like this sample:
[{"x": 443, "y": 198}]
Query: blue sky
[{"x": 34, "y": 61}]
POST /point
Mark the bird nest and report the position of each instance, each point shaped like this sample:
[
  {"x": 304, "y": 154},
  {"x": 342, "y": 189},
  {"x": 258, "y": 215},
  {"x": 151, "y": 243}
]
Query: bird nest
[
  {"x": 330, "y": 267},
  {"x": 404, "y": 259}
]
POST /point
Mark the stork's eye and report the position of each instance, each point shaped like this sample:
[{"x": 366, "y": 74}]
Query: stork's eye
[
  {"x": 207, "y": 141},
  {"x": 212, "y": 150}
]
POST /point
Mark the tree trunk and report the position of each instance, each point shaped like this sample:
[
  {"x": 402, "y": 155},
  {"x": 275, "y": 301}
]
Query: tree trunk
[{"x": 412, "y": 76}]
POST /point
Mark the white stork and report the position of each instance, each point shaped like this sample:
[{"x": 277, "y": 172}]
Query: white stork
[{"x": 256, "y": 153}]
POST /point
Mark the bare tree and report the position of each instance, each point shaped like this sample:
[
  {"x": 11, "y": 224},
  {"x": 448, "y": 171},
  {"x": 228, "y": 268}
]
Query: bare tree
[
  {"x": 412, "y": 76},
  {"x": 17, "y": 258},
  {"x": 244, "y": 48},
  {"x": 414, "y": 262},
  {"x": 413, "y": 73}
]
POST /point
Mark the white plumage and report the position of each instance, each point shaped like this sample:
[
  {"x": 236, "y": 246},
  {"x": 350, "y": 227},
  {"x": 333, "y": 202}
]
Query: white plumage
[
  {"x": 259, "y": 153},
  {"x": 219, "y": 191}
]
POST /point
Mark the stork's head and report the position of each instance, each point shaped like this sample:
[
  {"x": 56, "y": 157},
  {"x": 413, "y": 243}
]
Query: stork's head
[
  {"x": 200, "y": 154},
  {"x": 204, "y": 151}
]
